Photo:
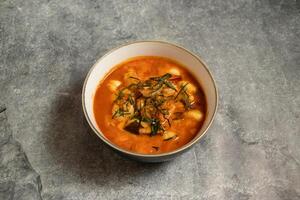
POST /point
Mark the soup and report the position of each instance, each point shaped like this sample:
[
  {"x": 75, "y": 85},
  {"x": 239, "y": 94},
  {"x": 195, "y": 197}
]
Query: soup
[{"x": 149, "y": 105}]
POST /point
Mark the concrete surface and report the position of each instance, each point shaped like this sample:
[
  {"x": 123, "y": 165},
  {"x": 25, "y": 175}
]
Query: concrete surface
[{"x": 252, "y": 150}]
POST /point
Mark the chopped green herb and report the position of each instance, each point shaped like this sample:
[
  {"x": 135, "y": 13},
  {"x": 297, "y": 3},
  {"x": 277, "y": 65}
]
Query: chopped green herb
[
  {"x": 119, "y": 95},
  {"x": 120, "y": 112},
  {"x": 166, "y": 76},
  {"x": 181, "y": 89},
  {"x": 170, "y": 85},
  {"x": 131, "y": 101},
  {"x": 155, "y": 126}
]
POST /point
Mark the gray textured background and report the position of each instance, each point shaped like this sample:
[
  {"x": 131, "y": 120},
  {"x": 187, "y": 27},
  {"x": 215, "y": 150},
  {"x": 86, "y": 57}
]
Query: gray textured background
[{"x": 251, "y": 151}]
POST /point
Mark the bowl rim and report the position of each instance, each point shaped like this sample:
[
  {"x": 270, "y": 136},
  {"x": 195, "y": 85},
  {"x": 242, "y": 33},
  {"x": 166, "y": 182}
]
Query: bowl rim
[{"x": 181, "y": 149}]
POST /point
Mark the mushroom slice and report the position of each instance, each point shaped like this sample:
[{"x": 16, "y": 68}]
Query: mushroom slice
[{"x": 168, "y": 135}]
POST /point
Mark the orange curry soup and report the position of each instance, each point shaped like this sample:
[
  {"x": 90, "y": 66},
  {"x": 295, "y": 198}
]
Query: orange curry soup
[{"x": 149, "y": 105}]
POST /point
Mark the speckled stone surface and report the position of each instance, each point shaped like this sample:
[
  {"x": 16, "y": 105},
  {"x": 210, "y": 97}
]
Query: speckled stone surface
[{"x": 48, "y": 151}]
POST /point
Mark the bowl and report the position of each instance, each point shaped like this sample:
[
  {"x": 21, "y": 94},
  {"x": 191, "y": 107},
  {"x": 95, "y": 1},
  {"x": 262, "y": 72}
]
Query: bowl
[{"x": 150, "y": 48}]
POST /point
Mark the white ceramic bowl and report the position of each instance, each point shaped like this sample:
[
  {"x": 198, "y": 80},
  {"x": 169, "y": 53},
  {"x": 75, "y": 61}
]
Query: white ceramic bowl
[{"x": 150, "y": 48}]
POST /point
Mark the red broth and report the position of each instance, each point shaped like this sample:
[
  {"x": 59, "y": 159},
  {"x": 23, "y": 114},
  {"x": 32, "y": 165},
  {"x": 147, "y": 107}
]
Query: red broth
[{"x": 147, "y": 138}]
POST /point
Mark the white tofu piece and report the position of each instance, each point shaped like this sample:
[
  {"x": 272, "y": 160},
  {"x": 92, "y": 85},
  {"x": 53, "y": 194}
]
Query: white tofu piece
[
  {"x": 191, "y": 88},
  {"x": 174, "y": 71},
  {"x": 113, "y": 85},
  {"x": 195, "y": 114}
]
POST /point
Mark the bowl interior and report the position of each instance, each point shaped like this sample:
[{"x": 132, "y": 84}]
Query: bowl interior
[{"x": 111, "y": 59}]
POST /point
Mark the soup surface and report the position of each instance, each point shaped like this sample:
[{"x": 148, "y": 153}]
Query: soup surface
[{"x": 149, "y": 105}]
